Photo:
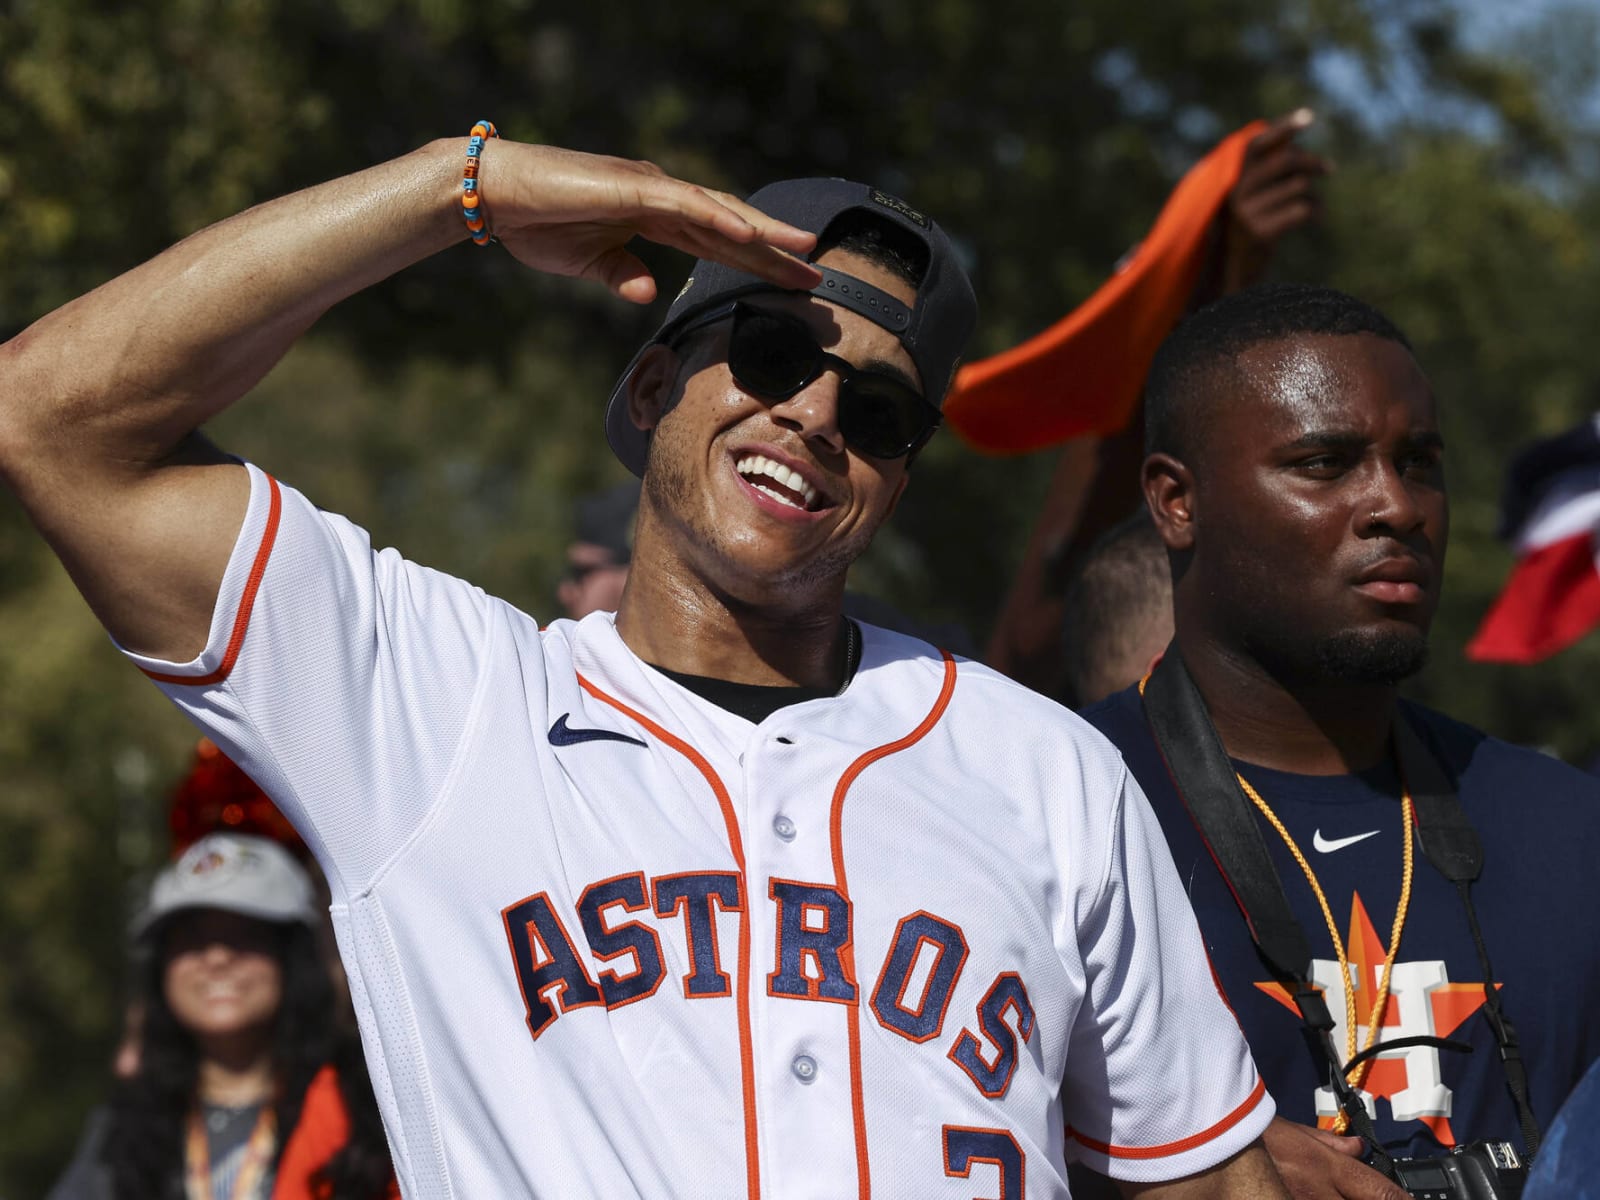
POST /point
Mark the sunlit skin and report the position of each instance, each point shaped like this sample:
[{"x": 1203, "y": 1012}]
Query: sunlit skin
[
  {"x": 729, "y": 582},
  {"x": 223, "y": 981},
  {"x": 1313, "y": 519}
]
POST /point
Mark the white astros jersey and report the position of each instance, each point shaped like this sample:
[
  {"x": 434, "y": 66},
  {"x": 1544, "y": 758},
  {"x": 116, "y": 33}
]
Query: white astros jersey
[{"x": 922, "y": 939}]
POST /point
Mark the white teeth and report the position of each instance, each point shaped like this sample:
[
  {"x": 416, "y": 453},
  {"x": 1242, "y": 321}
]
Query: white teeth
[
  {"x": 776, "y": 495},
  {"x": 758, "y": 464}
]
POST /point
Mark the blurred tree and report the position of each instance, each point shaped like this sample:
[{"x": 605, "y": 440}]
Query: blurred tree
[{"x": 456, "y": 409}]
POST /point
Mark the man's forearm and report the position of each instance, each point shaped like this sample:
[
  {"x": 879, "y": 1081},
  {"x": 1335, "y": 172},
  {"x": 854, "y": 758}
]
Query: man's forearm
[{"x": 1248, "y": 1175}]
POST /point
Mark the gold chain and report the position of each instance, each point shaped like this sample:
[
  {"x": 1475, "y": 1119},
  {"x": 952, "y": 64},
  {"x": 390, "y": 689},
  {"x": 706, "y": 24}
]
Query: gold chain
[
  {"x": 1408, "y": 820},
  {"x": 1407, "y": 812}
]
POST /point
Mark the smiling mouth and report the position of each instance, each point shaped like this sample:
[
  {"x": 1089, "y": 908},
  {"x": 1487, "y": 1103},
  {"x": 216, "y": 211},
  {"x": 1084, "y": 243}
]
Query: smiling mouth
[{"x": 773, "y": 479}]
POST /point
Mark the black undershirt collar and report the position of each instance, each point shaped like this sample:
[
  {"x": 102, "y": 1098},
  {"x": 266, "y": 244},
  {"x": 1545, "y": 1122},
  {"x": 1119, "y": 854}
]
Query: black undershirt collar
[{"x": 755, "y": 702}]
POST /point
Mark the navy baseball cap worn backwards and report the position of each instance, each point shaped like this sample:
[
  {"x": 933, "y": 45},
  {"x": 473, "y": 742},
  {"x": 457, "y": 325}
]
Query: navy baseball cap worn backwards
[{"x": 933, "y": 330}]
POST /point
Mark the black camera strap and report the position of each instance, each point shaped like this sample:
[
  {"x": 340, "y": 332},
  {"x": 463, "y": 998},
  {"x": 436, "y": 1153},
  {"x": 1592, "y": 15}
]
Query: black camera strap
[
  {"x": 1205, "y": 781},
  {"x": 1207, "y": 784},
  {"x": 1452, "y": 845}
]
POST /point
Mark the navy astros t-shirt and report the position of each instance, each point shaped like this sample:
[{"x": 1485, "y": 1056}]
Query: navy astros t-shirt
[{"x": 1538, "y": 901}]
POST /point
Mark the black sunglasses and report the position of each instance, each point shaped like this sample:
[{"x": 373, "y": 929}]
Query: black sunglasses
[{"x": 774, "y": 355}]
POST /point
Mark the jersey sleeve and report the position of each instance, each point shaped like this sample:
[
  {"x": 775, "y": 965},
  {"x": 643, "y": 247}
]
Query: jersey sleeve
[
  {"x": 340, "y": 678},
  {"x": 1159, "y": 1081}
]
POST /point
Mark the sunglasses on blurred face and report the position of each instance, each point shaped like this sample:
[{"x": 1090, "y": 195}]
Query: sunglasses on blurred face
[
  {"x": 774, "y": 355},
  {"x": 577, "y": 572}
]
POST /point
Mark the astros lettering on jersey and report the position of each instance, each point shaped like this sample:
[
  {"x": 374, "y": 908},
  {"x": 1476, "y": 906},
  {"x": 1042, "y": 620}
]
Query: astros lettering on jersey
[{"x": 605, "y": 938}]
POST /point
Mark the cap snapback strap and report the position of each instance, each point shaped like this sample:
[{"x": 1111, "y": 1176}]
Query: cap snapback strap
[{"x": 877, "y": 306}]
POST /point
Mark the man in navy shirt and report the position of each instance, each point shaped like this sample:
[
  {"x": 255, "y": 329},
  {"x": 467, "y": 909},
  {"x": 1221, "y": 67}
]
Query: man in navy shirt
[{"x": 1294, "y": 470}]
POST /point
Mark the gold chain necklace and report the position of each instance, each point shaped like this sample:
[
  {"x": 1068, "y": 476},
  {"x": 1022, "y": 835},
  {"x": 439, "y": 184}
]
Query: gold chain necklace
[
  {"x": 1380, "y": 1002},
  {"x": 1408, "y": 815}
]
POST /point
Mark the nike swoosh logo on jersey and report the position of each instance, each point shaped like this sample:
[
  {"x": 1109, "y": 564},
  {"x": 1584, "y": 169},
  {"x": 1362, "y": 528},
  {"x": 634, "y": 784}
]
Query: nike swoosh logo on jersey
[
  {"x": 561, "y": 735},
  {"x": 1329, "y": 845}
]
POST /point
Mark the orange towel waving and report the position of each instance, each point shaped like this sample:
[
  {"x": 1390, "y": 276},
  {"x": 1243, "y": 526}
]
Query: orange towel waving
[{"x": 1083, "y": 374}]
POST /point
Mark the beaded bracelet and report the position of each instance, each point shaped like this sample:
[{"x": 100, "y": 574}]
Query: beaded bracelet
[{"x": 471, "y": 202}]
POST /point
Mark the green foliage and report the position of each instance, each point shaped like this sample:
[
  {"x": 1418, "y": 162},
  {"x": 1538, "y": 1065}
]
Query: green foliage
[{"x": 456, "y": 409}]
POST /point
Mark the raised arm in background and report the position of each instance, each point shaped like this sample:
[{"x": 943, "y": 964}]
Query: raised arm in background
[
  {"x": 1096, "y": 480},
  {"x": 100, "y": 400}
]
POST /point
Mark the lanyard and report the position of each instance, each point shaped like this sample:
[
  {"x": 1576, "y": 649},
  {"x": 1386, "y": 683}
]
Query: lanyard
[
  {"x": 1206, "y": 782},
  {"x": 257, "y": 1157},
  {"x": 1361, "y": 1064}
]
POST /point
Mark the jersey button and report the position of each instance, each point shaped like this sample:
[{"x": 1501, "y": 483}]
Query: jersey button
[
  {"x": 804, "y": 1068},
  {"x": 783, "y": 827}
]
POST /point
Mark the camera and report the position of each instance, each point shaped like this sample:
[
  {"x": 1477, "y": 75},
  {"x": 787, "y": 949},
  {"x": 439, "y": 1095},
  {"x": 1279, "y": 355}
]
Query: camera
[{"x": 1475, "y": 1171}]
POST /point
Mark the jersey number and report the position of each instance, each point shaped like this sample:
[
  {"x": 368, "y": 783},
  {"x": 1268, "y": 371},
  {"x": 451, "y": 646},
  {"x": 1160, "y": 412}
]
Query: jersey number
[{"x": 963, "y": 1147}]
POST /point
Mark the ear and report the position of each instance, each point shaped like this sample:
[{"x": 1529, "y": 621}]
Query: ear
[
  {"x": 1168, "y": 488},
  {"x": 653, "y": 386}
]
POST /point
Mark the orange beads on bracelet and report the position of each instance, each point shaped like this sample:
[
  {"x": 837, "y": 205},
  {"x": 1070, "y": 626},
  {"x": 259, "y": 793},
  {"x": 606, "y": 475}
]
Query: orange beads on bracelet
[{"x": 471, "y": 202}]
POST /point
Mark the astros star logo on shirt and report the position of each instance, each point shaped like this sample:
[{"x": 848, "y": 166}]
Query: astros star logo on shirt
[{"x": 1422, "y": 1001}]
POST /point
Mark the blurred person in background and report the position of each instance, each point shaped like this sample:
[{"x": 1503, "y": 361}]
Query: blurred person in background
[
  {"x": 239, "y": 1081},
  {"x": 217, "y": 796},
  {"x": 1117, "y": 613},
  {"x": 600, "y": 551}
]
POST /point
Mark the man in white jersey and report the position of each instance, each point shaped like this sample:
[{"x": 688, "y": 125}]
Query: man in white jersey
[{"x": 723, "y": 895}]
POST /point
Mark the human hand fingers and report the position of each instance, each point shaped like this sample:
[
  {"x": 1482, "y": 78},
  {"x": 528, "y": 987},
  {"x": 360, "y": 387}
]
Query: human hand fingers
[
  {"x": 1354, "y": 1180},
  {"x": 564, "y": 211},
  {"x": 1317, "y": 1165},
  {"x": 1287, "y": 162},
  {"x": 1275, "y": 193},
  {"x": 1272, "y": 155},
  {"x": 597, "y": 251},
  {"x": 626, "y": 276},
  {"x": 1280, "y": 132},
  {"x": 716, "y": 225},
  {"x": 768, "y": 229},
  {"x": 758, "y": 258},
  {"x": 1266, "y": 215},
  {"x": 1350, "y": 1146}
]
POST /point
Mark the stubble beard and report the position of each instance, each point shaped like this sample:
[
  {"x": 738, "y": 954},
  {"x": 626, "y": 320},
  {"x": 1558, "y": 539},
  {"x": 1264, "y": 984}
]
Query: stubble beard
[
  {"x": 1378, "y": 656},
  {"x": 1346, "y": 656}
]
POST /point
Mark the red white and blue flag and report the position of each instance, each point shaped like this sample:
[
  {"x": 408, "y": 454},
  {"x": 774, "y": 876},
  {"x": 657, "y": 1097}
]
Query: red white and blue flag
[{"x": 1551, "y": 514}]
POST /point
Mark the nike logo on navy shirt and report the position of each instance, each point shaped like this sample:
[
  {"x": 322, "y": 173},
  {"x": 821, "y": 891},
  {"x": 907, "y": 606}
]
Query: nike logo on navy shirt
[
  {"x": 560, "y": 735},
  {"x": 1329, "y": 845}
]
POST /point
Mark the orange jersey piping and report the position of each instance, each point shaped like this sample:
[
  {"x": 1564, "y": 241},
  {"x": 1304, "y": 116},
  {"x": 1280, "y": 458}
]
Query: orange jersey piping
[
  {"x": 1178, "y": 1147},
  {"x": 241, "y": 621},
  {"x": 836, "y": 833},
  {"x": 747, "y": 1069}
]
